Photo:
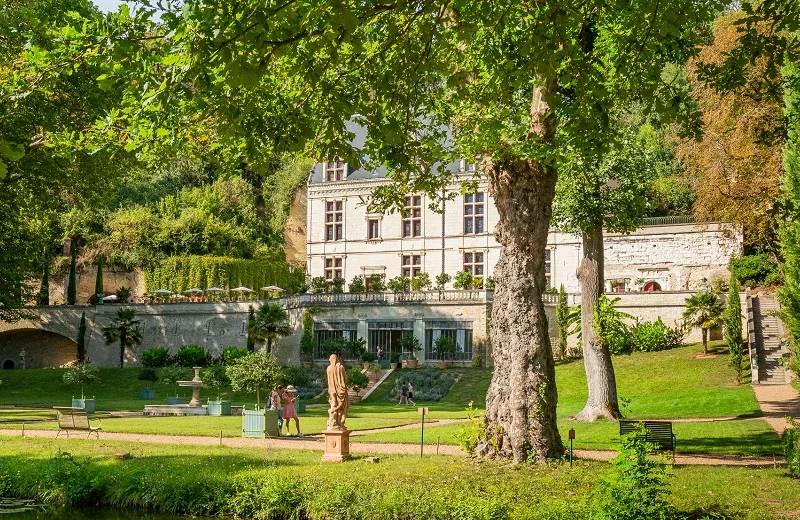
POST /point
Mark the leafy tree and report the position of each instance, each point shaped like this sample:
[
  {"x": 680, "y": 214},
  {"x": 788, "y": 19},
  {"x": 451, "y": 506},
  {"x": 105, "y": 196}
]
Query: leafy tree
[
  {"x": 125, "y": 329},
  {"x": 463, "y": 280},
  {"x": 512, "y": 81},
  {"x": 733, "y": 328},
  {"x": 319, "y": 285},
  {"x": 357, "y": 285},
  {"x": 735, "y": 168},
  {"x": 444, "y": 346},
  {"x": 253, "y": 372},
  {"x": 421, "y": 282},
  {"x": 356, "y": 380},
  {"x": 399, "y": 284},
  {"x": 703, "y": 310},
  {"x": 562, "y": 317},
  {"x": 442, "y": 279},
  {"x": 337, "y": 285},
  {"x": 594, "y": 193},
  {"x": 409, "y": 343},
  {"x": 72, "y": 284},
  {"x": 789, "y": 228},
  {"x": 270, "y": 323},
  {"x": 376, "y": 283},
  {"x": 81, "y": 373},
  {"x": 82, "y": 339}
]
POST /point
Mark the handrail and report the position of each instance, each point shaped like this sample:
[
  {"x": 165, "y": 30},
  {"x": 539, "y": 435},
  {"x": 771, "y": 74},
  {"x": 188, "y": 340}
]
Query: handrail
[{"x": 752, "y": 346}]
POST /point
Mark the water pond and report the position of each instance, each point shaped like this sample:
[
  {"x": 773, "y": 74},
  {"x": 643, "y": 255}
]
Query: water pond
[{"x": 14, "y": 509}]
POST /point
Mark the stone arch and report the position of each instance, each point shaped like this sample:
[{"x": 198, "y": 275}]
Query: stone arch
[
  {"x": 36, "y": 348},
  {"x": 8, "y": 364},
  {"x": 652, "y": 286}
]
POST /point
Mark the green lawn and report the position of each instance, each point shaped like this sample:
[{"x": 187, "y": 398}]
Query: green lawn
[{"x": 215, "y": 480}]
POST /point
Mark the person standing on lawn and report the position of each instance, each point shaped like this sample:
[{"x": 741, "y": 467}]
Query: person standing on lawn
[
  {"x": 410, "y": 399},
  {"x": 275, "y": 403},
  {"x": 289, "y": 398},
  {"x": 403, "y": 394}
]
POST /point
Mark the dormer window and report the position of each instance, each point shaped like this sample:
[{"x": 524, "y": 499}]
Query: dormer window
[
  {"x": 471, "y": 167},
  {"x": 335, "y": 171}
]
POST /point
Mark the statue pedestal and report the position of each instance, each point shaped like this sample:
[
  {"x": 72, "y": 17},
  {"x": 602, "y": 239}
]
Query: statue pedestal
[{"x": 337, "y": 445}]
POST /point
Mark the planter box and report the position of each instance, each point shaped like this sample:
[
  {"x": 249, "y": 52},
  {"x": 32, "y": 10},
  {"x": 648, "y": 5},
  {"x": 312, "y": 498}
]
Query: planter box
[
  {"x": 308, "y": 364},
  {"x": 147, "y": 394},
  {"x": 385, "y": 364},
  {"x": 299, "y": 407},
  {"x": 258, "y": 424},
  {"x": 86, "y": 404},
  {"x": 219, "y": 408},
  {"x": 412, "y": 363},
  {"x": 444, "y": 364},
  {"x": 175, "y": 399},
  {"x": 393, "y": 365}
]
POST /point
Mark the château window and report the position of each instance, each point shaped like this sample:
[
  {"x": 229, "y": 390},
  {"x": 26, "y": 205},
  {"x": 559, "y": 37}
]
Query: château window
[
  {"x": 471, "y": 167},
  {"x": 335, "y": 171},
  {"x": 473, "y": 213},
  {"x": 373, "y": 229},
  {"x": 412, "y": 265},
  {"x": 334, "y": 224},
  {"x": 412, "y": 217},
  {"x": 333, "y": 268},
  {"x": 548, "y": 255},
  {"x": 473, "y": 263}
]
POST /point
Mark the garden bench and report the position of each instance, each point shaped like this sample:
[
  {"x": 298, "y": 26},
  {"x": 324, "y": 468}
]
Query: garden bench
[
  {"x": 74, "y": 419},
  {"x": 658, "y": 433}
]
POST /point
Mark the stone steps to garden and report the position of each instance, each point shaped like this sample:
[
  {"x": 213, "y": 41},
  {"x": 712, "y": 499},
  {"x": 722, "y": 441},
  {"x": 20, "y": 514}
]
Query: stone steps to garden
[
  {"x": 371, "y": 387},
  {"x": 767, "y": 341}
]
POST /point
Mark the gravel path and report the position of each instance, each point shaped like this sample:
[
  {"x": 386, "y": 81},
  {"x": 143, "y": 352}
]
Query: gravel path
[{"x": 778, "y": 402}]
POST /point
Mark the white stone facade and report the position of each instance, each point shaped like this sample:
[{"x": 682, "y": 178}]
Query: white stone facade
[{"x": 345, "y": 239}]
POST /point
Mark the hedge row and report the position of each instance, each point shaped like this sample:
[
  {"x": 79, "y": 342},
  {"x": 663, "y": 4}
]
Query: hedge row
[{"x": 180, "y": 273}]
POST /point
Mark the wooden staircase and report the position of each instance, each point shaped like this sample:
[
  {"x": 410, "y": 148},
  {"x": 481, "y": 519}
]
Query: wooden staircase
[{"x": 767, "y": 332}]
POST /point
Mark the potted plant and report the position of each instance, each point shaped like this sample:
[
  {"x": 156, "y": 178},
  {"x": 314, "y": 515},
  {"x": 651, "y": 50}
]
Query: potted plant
[
  {"x": 394, "y": 360},
  {"x": 215, "y": 377},
  {"x": 81, "y": 374},
  {"x": 373, "y": 371},
  {"x": 252, "y": 373},
  {"x": 410, "y": 344},
  {"x": 367, "y": 358},
  {"x": 151, "y": 376},
  {"x": 444, "y": 347}
]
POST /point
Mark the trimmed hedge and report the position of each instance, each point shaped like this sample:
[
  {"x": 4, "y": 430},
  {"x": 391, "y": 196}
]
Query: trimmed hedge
[{"x": 180, "y": 273}]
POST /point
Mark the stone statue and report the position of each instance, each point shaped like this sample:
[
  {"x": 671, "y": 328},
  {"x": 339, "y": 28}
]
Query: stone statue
[{"x": 337, "y": 394}]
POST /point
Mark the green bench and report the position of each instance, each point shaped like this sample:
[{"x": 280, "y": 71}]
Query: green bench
[
  {"x": 74, "y": 419},
  {"x": 658, "y": 433}
]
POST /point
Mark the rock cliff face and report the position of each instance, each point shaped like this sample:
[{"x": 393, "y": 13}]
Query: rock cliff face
[{"x": 294, "y": 231}]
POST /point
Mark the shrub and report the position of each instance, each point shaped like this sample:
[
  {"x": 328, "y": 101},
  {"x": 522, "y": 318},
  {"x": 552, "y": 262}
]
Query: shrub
[
  {"x": 337, "y": 285},
  {"x": 376, "y": 283},
  {"x": 357, "y": 285},
  {"x": 192, "y": 356},
  {"x": 215, "y": 376},
  {"x": 650, "y": 336},
  {"x": 148, "y": 374},
  {"x": 477, "y": 361},
  {"x": 124, "y": 294},
  {"x": 489, "y": 284},
  {"x": 430, "y": 384},
  {"x": 477, "y": 282},
  {"x": 462, "y": 280},
  {"x": 368, "y": 357},
  {"x": 442, "y": 279},
  {"x": 399, "y": 284},
  {"x": 409, "y": 343},
  {"x": 155, "y": 357},
  {"x": 444, "y": 346},
  {"x": 394, "y": 357},
  {"x": 232, "y": 353},
  {"x": 635, "y": 487},
  {"x": 791, "y": 436},
  {"x": 254, "y": 372},
  {"x": 171, "y": 373},
  {"x": 472, "y": 432},
  {"x": 755, "y": 269},
  {"x": 421, "y": 282},
  {"x": 319, "y": 285}
]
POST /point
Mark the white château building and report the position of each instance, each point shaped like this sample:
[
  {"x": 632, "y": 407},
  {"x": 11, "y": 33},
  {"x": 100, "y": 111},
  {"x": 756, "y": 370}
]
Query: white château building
[{"x": 345, "y": 239}]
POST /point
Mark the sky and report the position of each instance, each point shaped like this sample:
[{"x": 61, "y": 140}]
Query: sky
[{"x": 107, "y": 5}]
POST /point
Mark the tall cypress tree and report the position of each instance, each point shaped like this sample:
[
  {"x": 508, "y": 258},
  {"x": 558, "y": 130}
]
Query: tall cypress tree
[
  {"x": 44, "y": 288},
  {"x": 733, "y": 328},
  {"x": 562, "y": 315},
  {"x": 72, "y": 285},
  {"x": 789, "y": 226},
  {"x": 98, "y": 283},
  {"x": 82, "y": 339}
]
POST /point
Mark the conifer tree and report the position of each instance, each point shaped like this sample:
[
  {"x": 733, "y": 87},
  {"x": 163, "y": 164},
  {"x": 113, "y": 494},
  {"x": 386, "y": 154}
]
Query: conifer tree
[
  {"x": 72, "y": 285},
  {"x": 733, "y": 328},
  {"x": 562, "y": 316},
  {"x": 98, "y": 283},
  {"x": 82, "y": 339},
  {"x": 44, "y": 288}
]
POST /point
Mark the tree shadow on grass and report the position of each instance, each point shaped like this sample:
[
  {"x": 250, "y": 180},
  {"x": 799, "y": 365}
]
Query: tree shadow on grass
[{"x": 752, "y": 444}]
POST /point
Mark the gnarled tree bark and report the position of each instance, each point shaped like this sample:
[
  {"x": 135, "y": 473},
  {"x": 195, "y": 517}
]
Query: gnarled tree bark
[
  {"x": 600, "y": 378},
  {"x": 521, "y": 401}
]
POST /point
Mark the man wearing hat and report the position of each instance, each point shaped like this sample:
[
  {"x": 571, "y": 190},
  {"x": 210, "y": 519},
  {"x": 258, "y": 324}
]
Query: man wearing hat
[{"x": 289, "y": 397}]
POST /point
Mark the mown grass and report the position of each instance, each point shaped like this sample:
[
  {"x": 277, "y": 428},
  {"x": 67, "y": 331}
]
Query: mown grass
[{"x": 283, "y": 484}]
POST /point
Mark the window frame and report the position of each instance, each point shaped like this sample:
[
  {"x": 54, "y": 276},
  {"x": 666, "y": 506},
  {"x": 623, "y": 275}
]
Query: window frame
[
  {"x": 473, "y": 263},
  {"x": 474, "y": 211},
  {"x": 337, "y": 168},
  {"x": 333, "y": 266},
  {"x": 334, "y": 220},
  {"x": 413, "y": 267},
  {"x": 412, "y": 217}
]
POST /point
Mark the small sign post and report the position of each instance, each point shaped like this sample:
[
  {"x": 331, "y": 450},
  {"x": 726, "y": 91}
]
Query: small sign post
[
  {"x": 422, "y": 411},
  {"x": 571, "y": 437}
]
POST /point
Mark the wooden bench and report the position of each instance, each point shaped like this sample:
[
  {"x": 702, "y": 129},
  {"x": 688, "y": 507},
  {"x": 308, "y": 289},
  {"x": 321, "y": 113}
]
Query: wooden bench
[
  {"x": 74, "y": 419},
  {"x": 658, "y": 433}
]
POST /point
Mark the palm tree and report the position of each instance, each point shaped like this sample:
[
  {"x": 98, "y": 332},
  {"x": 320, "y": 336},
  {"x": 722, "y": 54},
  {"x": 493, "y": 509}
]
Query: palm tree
[
  {"x": 269, "y": 323},
  {"x": 125, "y": 329},
  {"x": 703, "y": 310}
]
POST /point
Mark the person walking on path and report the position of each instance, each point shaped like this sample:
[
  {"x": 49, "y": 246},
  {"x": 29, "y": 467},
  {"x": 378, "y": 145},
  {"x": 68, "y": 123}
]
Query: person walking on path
[
  {"x": 380, "y": 355},
  {"x": 289, "y": 398},
  {"x": 403, "y": 394},
  {"x": 410, "y": 399},
  {"x": 275, "y": 403}
]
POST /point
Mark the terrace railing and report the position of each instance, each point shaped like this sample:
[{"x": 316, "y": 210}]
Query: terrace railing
[
  {"x": 670, "y": 220},
  {"x": 387, "y": 298}
]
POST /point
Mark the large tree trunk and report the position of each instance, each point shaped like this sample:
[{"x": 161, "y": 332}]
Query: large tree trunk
[
  {"x": 522, "y": 397},
  {"x": 602, "y": 401}
]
